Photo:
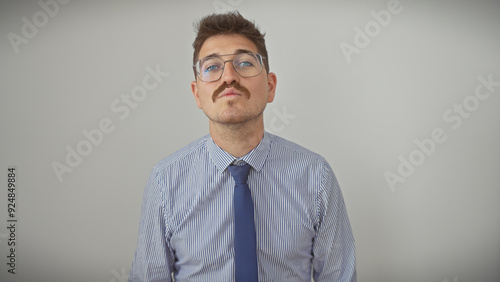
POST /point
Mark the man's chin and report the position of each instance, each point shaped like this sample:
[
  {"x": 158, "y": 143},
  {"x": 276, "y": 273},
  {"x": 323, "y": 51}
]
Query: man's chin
[{"x": 234, "y": 119}]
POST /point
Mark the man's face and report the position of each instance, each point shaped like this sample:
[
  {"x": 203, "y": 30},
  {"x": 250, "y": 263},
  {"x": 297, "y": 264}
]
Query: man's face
[{"x": 233, "y": 105}]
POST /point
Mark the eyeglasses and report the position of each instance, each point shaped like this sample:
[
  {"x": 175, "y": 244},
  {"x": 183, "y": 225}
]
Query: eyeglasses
[{"x": 211, "y": 68}]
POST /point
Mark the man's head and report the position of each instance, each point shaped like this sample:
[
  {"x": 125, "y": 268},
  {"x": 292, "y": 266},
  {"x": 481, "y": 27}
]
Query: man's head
[
  {"x": 231, "y": 87},
  {"x": 225, "y": 24}
]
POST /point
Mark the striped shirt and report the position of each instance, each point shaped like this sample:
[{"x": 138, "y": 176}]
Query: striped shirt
[{"x": 186, "y": 231}]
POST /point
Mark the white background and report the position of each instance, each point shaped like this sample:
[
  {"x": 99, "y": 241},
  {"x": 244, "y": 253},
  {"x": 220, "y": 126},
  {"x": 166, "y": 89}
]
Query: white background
[{"x": 442, "y": 223}]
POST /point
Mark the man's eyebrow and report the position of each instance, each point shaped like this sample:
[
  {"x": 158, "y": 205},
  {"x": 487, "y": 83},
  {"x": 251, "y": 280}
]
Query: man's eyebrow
[
  {"x": 238, "y": 51},
  {"x": 241, "y": 51}
]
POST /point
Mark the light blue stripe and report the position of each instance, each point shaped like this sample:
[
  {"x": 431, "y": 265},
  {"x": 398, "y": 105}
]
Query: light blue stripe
[{"x": 186, "y": 228}]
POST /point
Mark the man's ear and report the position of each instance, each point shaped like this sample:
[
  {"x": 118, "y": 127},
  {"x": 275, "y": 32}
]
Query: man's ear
[
  {"x": 194, "y": 89},
  {"x": 271, "y": 86}
]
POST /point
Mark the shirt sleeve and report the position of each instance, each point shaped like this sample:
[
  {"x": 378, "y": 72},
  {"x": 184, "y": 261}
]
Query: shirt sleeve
[
  {"x": 334, "y": 257},
  {"x": 154, "y": 260}
]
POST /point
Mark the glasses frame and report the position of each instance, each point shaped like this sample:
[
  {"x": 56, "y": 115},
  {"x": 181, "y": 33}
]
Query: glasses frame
[{"x": 196, "y": 67}]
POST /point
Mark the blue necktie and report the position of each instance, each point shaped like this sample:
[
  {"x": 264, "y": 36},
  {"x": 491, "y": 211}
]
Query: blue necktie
[{"x": 245, "y": 250}]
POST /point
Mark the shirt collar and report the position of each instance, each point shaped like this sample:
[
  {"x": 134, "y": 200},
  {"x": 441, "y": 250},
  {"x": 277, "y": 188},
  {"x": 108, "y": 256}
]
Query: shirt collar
[{"x": 256, "y": 157}]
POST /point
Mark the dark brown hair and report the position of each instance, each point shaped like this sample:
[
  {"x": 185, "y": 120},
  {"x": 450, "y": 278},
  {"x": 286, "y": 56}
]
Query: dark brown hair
[{"x": 229, "y": 23}]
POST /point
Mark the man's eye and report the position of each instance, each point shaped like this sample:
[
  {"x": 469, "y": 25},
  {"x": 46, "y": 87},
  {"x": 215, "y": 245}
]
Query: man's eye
[
  {"x": 210, "y": 68},
  {"x": 245, "y": 64}
]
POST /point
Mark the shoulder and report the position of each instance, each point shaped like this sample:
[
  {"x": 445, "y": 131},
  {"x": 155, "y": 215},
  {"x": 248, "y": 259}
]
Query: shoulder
[
  {"x": 185, "y": 154},
  {"x": 290, "y": 155},
  {"x": 288, "y": 148}
]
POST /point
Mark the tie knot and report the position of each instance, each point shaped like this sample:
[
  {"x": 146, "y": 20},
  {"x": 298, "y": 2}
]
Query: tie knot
[{"x": 240, "y": 172}]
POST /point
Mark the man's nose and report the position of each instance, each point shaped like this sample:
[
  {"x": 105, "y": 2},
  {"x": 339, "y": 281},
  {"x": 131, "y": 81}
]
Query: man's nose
[{"x": 229, "y": 75}]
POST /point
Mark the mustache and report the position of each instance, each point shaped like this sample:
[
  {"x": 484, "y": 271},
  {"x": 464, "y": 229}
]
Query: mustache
[{"x": 234, "y": 85}]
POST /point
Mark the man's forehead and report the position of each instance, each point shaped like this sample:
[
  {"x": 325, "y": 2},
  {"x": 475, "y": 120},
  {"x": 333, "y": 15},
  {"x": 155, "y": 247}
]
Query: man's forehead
[
  {"x": 226, "y": 44},
  {"x": 236, "y": 52}
]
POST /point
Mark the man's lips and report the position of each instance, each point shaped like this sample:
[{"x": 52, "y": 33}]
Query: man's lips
[{"x": 229, "y": 92}]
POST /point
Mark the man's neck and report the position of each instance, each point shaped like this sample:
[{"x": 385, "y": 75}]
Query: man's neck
[{"x": 239, "y": 139}]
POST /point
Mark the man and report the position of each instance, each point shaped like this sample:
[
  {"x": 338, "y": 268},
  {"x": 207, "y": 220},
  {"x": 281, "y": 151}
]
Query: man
[{"x": 241, "y": 204}]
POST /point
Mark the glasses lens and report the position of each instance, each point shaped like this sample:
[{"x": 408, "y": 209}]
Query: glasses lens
[
  {"x": 210, "y": 68},
  {"x": 248, "y": 64}
]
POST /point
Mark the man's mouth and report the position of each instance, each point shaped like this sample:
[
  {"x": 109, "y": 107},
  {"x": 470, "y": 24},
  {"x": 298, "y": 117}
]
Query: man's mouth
[{"x": 229, "y": 92}]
